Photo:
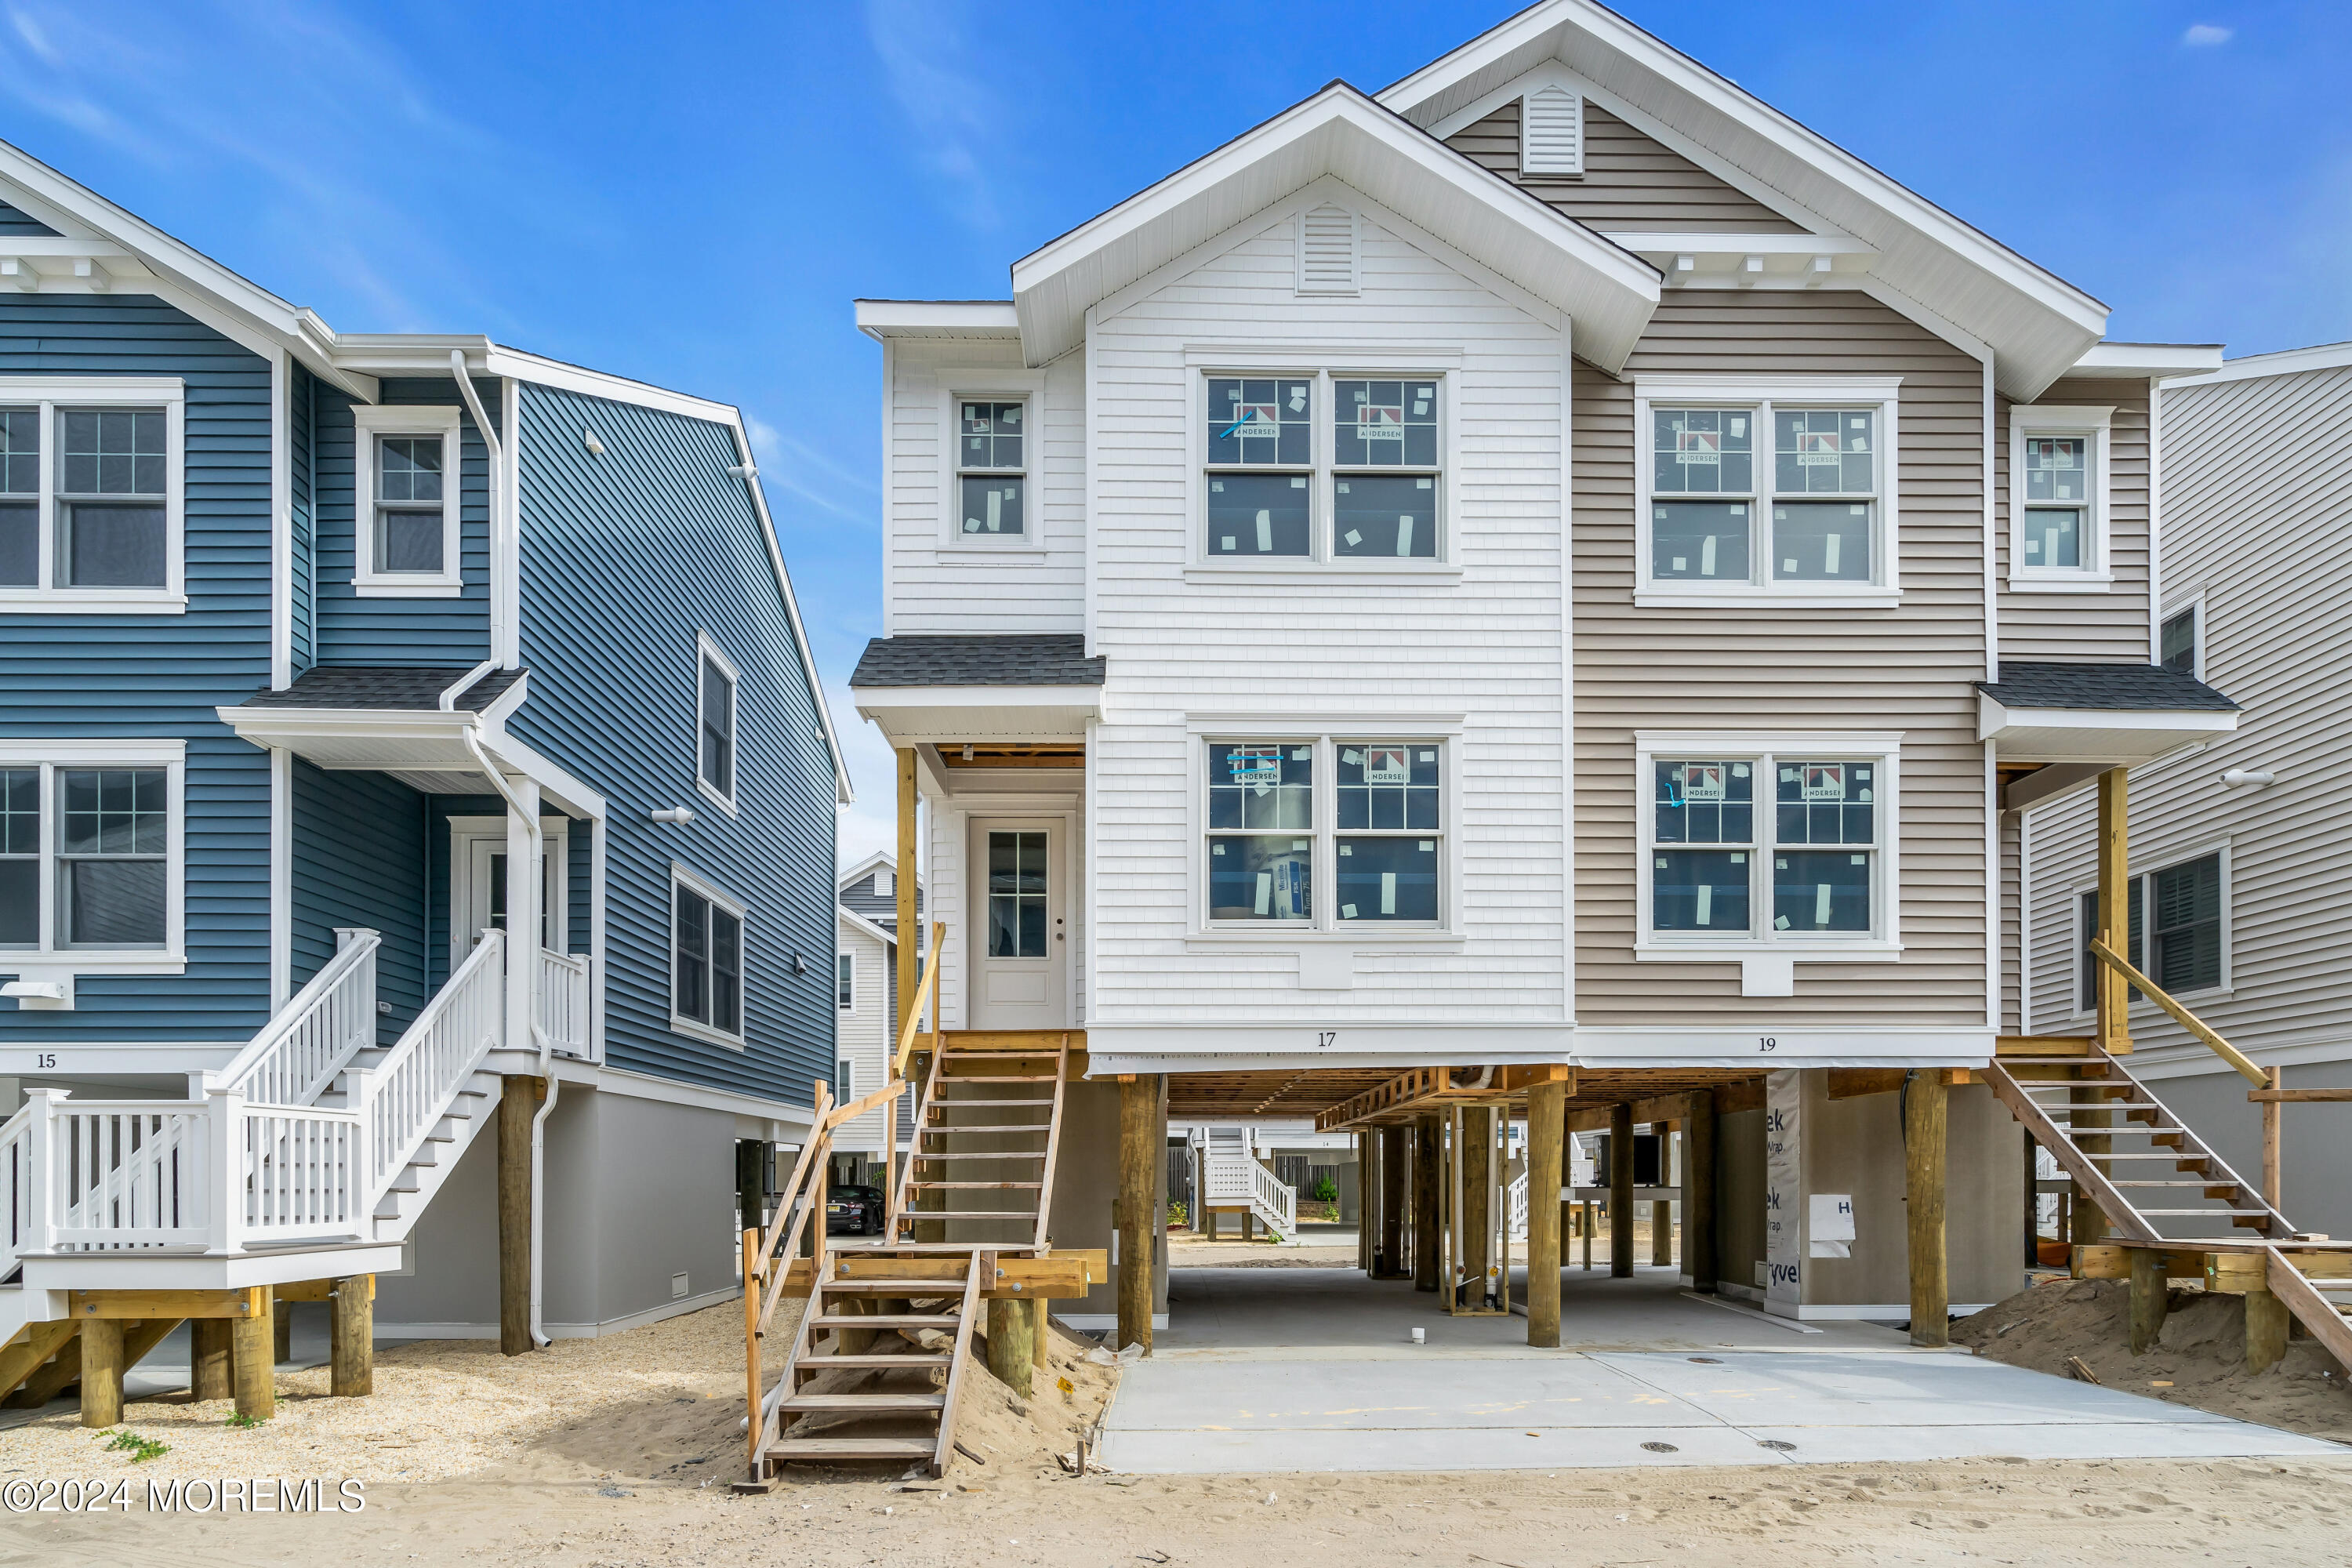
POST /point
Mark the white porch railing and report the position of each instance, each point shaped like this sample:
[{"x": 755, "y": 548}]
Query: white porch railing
[
  {"x": 401, "y": 1098},
  {"x": 116, "y": 1174},
  {"x": 297, "y": 1167},
  {"x": 315, "y": 1035},
  {"x": 15, "y": 1186},
  {"x": 1517, "y": 1198},
  {"x": 566, "y": 1001},
  {"x": 1275, "y": 1200}
]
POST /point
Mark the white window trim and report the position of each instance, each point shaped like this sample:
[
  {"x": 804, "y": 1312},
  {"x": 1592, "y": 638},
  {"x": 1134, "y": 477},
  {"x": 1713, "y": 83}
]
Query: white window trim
[
  {"x": 2194, "y": 603},
  {"x": 849, "y": 958},
  {"x": 1883, "y": 751},
  {"x": 2095, "y": 574},
  {"x": 369, "y": 424},
  {"x": 50, "y": 393},
  {"x": 50, "y": 961},
  {"x": 704, "y": 648},
  {"x": 1326, "y": 733},
  {"x": 1324, "y": 367},
  {"x": 679, "y": 877},
  {"x": 958, "y": 385},
  {"x": 2077, "y": 951},
  {"x": 1884, "y": 590}
]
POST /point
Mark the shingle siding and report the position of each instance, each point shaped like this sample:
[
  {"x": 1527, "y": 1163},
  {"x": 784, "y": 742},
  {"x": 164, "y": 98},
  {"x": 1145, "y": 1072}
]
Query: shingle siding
[
  {"x": 625, "y": 557},
  {"x": 77, "y": 676}
]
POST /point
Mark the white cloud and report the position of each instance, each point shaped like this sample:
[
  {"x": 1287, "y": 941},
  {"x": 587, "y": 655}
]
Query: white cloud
[
  {"x": 948, "y": 111},
  {"x": 2206, "y": 36}
]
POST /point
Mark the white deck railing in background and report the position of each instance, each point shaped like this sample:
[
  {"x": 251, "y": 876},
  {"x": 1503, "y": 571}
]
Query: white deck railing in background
[
  {"x": 116, "y": 1174},
  {"x": 401, "y": 1098},
  {"x": 1518, "y": 1207},
  {"x": 566, "y": 1002},
  {"x": 301, "y": 1175},
  {"x": 1275, "y": 1200},
  {"x": 315, "y": 1035}
]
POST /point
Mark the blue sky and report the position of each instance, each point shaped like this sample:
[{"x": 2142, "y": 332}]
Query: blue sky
[{"x": 693, "y": 194}]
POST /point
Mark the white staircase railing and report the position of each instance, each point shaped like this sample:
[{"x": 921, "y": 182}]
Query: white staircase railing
[
  {"x": 401, "y": 1098},
  {"x": 1274, "y": 1200},
  {"x": 118, "y": 1174},
  {"x": 315, "y": 1035},
  {"x": 1516, "y": 1195},
  {"x": 565, "y": 1001},
  {"x": 15, "y": 1186},
  {"x": 298, "y": 1170}
]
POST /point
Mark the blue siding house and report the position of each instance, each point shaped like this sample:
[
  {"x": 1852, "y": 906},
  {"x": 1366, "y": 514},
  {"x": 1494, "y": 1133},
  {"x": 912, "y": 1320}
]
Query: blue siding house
[{"x": 390, "y": 725}]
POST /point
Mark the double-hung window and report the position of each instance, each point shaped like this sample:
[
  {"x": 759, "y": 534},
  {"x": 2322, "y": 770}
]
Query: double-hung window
[
  {"x": 844, "y": 982},
  {"x": 2058, "y": 498},
  {"x": 2183, "y": 948},
  {"x": 992, "y": 469},
  {"x": 705, "y": 961},
  {"x": 90, "y": 852},
  {"x": 407, "y": 539},
  {"x": 1282, "y": 478},
  {"x": 1785, "y": 489},
  {"x": 2180, "y": 647},
  {"x": 714, "y": 704},
  {"x": 1364, "y": 850},
  {"x": 92, "y": 495},
  {"x": 1755, "y": 842}
]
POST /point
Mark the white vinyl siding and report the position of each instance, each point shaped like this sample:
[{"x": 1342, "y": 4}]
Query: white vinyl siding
[
  {"x": 2092, "y": 619},
  {"x": 862, "y": 1032}
]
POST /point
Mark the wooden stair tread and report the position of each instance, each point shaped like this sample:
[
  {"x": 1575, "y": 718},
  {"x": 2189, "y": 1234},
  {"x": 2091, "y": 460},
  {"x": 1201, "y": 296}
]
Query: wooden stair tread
[
  {"x": 948, "y": 1079},
  {"x": 980, "y": 1104},
  {"x": 913, "y": 1214},
  {"x": 886, "y": 1320},
  {"x": 820, "y": 1361},
  {"x": 850, "y": 1449},
  {"x": 991, "y": 1186},
  {"x": 998, "y": 1127},
  {"x": 984, "y": 1154},
  {"x": 898, "y": 1285},
  {"x": 877, "y": 1245},
  {"x": 863, "y": 1402}
]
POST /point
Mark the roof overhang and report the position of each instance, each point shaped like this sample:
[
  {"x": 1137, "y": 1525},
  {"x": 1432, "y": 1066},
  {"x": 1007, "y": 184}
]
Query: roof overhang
[
  {"x": 951, "y": 715},
  {"x": 949, "y": 319},
  {"x": 2285, "y": 361},
  {"x": 389, "y": 739},
  {"x": 2111, "y": 736},
  {"x": 2148, "y": 361},
  {"x": 2036, "y": 324},
  {"x": 852, "y": 920},
  {"x": 1608, "y": 292}
]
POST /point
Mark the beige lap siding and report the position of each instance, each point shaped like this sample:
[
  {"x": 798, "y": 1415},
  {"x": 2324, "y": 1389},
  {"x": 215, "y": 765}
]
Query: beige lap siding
[
  {"x": 1630, "y": 182},
  {"x": 1907, "y": 670},
  {"x": 2106, "y": 626}
]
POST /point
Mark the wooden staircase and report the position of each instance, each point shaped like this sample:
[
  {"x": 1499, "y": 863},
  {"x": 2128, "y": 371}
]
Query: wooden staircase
[
  {"x": 1020, "y": 1099},
  {"x": 2158, "y": 1184}
]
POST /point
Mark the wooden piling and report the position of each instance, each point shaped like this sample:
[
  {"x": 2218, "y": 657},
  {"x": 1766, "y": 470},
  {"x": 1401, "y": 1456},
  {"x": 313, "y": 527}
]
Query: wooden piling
[
  {"x": 2266, "y": 1331},
  {"x": 1426, "y": 1222},
  {"x": 256, "y": 1374},
  {"x": 281, "y": 1330},
  {"x": 208, "y": 1353},
  {"x": 1923, "y": 1183},
  {"x": 1620, "y": 1190},
  {"x": 2273, "y": 1123},
  {"x": 351, "y": 1336},
  {"x": 101, "y": 1371},
  {"x": 1698, "y": 1191},
  {"x": 2150, "y": 1297},
  {"x": 1139, "y": 1148},
  {"x": 1478, "y": 1203},
  {"x": 1662, "y": 1213},
  {"x": 518, "y": 1099},
  {"x": 1012, "y": 1348},
  {"x": 1392, "y": 1174},
  {"x": 1546, "y": 1129}
]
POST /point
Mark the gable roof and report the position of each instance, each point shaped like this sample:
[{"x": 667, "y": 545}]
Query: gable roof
[
  {"x": 2036, "y": 324},
  {"x": 1607, "y": 291}
]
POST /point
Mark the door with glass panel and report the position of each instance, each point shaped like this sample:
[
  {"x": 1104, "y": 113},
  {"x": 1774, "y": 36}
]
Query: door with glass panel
[
  {"x": 1020, "y": 940},
  {"x": 477, "y": 890}
]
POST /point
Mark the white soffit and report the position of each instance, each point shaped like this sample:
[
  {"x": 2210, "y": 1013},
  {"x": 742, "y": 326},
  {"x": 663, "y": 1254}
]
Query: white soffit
[
  {"x": 2038, "y": 324},
  {"x": 1606, "y": 291},
  {"x": 951, "y": 319},
  {"x": 2138, "y": 361}
]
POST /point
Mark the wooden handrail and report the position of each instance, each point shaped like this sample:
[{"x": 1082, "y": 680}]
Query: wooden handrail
[
  {"x": 2186, "y": 1019},
  {"x": 924, "y": 990},
  {"x": 856, "y": 1108}
]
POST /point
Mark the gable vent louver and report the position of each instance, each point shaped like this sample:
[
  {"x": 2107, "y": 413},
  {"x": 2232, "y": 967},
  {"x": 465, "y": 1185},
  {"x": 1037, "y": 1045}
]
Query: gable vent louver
[
  {"x": 1327, "y": 250},
  {"x": 1551, "y": 132}
]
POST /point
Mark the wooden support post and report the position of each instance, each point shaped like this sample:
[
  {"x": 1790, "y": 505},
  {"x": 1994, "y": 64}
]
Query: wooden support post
[
  {"x": 1478, "y": 1203},
  {"x": 2150, "y": 1296},
  {"x": 1364, "y": 1202},
  {"x": 1249, "y": 1229},
  {"x": 1012, "y": 1355},
  {"x": 2032, "y": 1199},
  {"x": 1620, "y": 1190},
  {"x": 101, "y": 1371},
  {"x": 2266, "y": 1331},
  {"x": 1547, "y": 1127},
  {"x": 1426, "y": 1217},
  {"x": 1584, "y": 1230},
  {"x": 256, "y": 1374},
  {"x": 1139, "y": 1145},
  {"x": 518, "y": 1099},
  {"x": 1207, "y": 1224},
  {"x": 2273, "y": 1161},
  {"x": 1662, "y": 1213},
  {"x": 1698, "y": 1191},
  {"x": 351, "y": 1348},
  {"x": 2087, "y": 1225},
  {"x": 281, "y": 1329},
  {"x": 208, "y": 1360},
  {"x": 1039, "y": 1331},
  {"x": 751, "y": 1185},
  {"x": 2110, "y": 990},
  {"x": 1922, "y": 1186},
  {"x": 1393, "y": 1173}
]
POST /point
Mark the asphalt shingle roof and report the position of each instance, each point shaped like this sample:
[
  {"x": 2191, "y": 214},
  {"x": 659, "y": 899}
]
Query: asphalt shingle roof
[
  {"x": 1030, "y": 660},
  {"x": 2140, "y": 687},
  {"x": 385, "y": 687}
]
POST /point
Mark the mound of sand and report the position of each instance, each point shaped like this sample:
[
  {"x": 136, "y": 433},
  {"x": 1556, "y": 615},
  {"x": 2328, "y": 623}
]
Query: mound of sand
[{"x": 2199, "y": 1361}]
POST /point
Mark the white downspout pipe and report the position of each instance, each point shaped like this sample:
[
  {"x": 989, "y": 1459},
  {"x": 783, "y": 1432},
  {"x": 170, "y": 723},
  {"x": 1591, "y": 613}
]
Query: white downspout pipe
[{"x": 506, "y": 561}]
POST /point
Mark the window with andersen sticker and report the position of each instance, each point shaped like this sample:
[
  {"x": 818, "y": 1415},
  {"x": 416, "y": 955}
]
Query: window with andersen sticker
[
  {"x": 1272, "y": 829},
  {"x": 1798, "y": 860},
  {"x": 1283, "y": 480}
]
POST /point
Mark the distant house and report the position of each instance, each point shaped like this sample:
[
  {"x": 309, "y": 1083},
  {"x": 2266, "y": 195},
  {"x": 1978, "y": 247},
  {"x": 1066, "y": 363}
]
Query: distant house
[
  {"x": 866, "y": 996},
  {"x": 397, "y": 732}
]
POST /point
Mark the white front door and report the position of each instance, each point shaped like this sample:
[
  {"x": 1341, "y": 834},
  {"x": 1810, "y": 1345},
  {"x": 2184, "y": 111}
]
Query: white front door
[
  {"x": 477, "y": 886},
  {"x": 1020, "y": 936}
]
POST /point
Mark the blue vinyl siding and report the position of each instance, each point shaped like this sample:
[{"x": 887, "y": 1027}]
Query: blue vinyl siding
[
  {"x": 16, "y": 221},
  {"x": 302, "y": 395},
  {"x": 77, "y": 676},
  {"x": 358, "y": 861},
  {"x": 355, "y": 631},
  {"x": 625, "y": 557}
]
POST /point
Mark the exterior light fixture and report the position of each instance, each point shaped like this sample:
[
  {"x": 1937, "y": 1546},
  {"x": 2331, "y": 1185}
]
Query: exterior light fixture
[{"x": 679, "y": 815}]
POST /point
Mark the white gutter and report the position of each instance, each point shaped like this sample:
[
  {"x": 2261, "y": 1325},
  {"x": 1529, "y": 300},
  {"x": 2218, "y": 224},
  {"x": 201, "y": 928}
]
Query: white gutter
[{"x": 463, "y": 684}]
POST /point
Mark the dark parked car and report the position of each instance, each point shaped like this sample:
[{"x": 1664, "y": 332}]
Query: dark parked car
[{"x": 853, "y": 1211}]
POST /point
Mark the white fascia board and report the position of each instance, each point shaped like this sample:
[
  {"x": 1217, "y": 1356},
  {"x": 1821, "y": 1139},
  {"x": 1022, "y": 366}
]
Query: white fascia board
[
  {"x": 1607, "y": 290},
  {"x": 855, "y": 922},
  {"x": 1993, "y": 716},
  {"x": 2286, "y": 362},
  {"x": 2140, "y": 361},
  {"x": 374, "y": 723},
  {"x": 1715, "y": 113},
  {"x": 938, "y": 319},
  {"x": 881, "y": 859}
]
